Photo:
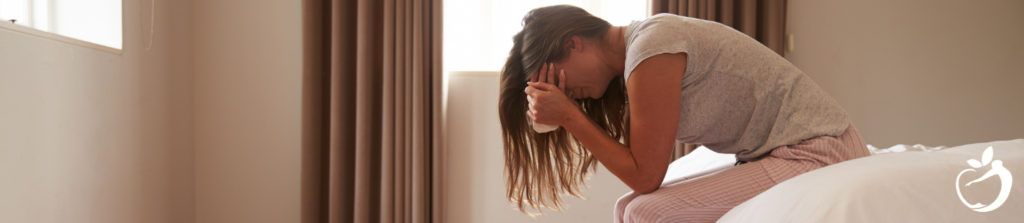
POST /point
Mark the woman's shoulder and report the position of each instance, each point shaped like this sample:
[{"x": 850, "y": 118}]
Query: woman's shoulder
[
  {"x": 664, "y": 16},
  {"x": 659, "y": 21},
  {"x": 665, "y": 23},
  {"x": 668, "y": 19},
  {"x": 653, "y": 28},
  {"x": 659, "y": 34},
  {"x": 666, "y": 27}
]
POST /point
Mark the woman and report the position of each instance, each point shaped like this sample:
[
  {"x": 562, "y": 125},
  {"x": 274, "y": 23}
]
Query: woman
[{"x": 687, "y": 80}]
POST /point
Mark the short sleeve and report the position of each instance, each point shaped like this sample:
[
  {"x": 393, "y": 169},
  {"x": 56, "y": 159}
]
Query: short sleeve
[{"x": 659, "y": 34}]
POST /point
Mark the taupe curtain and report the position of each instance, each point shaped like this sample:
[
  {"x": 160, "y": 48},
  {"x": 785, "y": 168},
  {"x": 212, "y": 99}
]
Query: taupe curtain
[
  {"x": 763, "y": 20},
  {"x": 371, "y": 111}
]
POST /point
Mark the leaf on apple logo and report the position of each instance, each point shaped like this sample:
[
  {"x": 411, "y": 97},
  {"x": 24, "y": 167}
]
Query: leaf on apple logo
[
  {"x": 986, "y": 156},
  {"x": 974, "y": 163}
]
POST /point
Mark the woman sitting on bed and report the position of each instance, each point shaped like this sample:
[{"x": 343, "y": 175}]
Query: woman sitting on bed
[{"x": 687, "y": 80}]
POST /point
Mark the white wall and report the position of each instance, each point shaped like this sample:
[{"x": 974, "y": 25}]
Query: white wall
[
  {"x": 943, "y": 72},
  {"x": 474, "y": 184},
  {"x": 248, "y": 72},
  {"x": 91, "y": 136}
]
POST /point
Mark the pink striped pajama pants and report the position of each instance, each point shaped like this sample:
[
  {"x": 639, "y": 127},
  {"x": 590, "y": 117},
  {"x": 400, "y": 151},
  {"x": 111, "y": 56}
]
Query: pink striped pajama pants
[{"x": 707, "y": 198}]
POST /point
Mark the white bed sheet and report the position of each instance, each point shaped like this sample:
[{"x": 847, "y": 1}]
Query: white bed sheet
[
  {"x": 701, "y": 161},
  {"x": 895, "y": 187}
]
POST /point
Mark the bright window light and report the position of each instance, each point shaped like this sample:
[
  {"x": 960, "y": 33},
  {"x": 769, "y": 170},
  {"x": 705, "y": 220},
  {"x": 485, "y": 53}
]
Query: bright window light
[
  {"x": 478, "y": 33},
  {"x": 96, "y": 21}
]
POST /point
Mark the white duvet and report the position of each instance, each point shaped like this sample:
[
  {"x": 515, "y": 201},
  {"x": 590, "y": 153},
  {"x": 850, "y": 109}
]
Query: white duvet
[{"x": 916, "y": 186}]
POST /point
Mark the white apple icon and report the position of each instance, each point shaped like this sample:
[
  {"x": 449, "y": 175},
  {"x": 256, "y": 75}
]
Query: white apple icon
[{"x": 997, "y": 170}]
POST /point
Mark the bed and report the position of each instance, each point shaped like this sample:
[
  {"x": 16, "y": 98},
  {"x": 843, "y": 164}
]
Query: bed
[{"x": 896, "y": 184}]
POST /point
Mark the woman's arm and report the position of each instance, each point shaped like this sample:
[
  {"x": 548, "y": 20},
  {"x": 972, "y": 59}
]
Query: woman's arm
[{"x": 654, "y": 96}]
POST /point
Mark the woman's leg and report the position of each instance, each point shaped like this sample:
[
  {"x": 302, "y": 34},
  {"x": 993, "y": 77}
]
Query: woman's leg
[
  {"x": 698, "y": 200},
  {"x": 707, "y": 198},
  {"x": 789, "y": 161}
]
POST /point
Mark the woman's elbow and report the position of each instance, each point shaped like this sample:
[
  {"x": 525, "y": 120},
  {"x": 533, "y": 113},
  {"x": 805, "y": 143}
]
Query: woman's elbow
[{"x": 647, "y": 188}]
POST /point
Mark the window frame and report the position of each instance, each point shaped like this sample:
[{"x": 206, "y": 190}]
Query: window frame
[{"x": 28, "y": 29}]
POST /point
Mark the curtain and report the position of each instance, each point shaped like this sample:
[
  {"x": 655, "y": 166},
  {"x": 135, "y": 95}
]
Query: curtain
[
  {"x": 371, "y": 111},
  {"x": 763, "y": 20}
]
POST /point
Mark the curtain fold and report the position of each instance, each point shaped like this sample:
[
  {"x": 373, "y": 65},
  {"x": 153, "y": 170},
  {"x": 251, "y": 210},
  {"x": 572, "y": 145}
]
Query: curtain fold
[
  {"x": 372, "y": 111},
  {"x": 763, "y": 20}
]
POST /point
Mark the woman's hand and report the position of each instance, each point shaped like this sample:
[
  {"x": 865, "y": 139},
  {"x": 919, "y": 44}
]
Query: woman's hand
[
  {"x": 546, "y": 75},
  {"x": 548, "y": 104}
]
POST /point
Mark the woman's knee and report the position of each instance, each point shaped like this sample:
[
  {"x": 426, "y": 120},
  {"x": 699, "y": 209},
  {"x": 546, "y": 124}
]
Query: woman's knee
[
  {"x": 703, "y": 214},
  {"x": 648, "y": 207}
]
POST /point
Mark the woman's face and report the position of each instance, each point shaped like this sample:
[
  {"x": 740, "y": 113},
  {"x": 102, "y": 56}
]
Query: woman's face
[{"x": 586, "y": 75}]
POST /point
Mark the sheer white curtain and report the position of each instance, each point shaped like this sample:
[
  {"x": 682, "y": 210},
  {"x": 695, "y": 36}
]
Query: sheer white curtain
[{"x": 478, "y": 33}]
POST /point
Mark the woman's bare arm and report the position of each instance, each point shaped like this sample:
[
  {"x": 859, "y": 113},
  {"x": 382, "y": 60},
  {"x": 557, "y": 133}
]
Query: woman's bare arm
[{"x": 654, "y": 97}]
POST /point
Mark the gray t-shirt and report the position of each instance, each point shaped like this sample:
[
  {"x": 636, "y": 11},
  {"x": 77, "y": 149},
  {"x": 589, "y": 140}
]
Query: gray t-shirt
[{"x": 738, "y": 96}]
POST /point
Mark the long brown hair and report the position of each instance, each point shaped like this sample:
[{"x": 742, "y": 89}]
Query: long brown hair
[{"x": 540, "y": 167}]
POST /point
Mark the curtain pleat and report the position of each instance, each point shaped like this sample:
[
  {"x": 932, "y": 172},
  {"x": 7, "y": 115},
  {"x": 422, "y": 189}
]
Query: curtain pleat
[
  {"x": 748, "y": 17},
  {"x": 400, "y": 114},
  {"x": 763, "y": 20},
  {"x": 437, "y": 102},
  {"x": 728, "y": 14},
  {"x": 712, "y": 10},
  {"x": 671, "y": 7},
  {"x": 341, "y": 113},
  {"x": 773, "y": 23},
  {"x": 371, "y": 106},
  {"x": 692, "y": 9},
  {"x": 389, "y": 122},
  {"x": 314, "y": 104},
  {"x": 368, "y": 105}
]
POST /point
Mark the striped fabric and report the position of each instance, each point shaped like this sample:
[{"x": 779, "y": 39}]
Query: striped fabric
[{"x": 707, "y": 198}]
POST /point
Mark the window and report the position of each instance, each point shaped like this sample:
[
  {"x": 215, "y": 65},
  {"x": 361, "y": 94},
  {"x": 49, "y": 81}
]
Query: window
[
  {"x": 96, "y": 21},
  {"x": 478, "y": 33}
]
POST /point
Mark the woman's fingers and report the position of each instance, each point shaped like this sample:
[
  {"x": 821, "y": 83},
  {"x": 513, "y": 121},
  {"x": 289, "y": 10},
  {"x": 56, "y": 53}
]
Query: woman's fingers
[
  {"x": 536, "y": 88},
  {"x": 551, "y": 74},
  {"x": 543, "y": 73},
  {"x": 541, "y": 86},
  {"x": 530, "y": 90},
  {"x": 546, "y": 104},
  {"x": 561, "y": 81},
  {"x": 537, "y": 75}
]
